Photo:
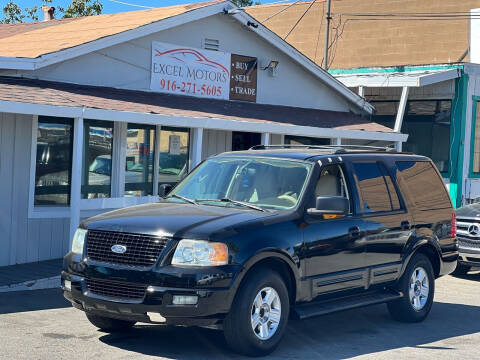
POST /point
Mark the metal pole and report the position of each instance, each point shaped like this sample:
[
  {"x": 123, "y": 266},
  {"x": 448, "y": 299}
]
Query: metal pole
[{"x": 327, "y": 33}]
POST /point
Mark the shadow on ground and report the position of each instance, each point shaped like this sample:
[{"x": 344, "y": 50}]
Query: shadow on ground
[
  {"x": 21, "y": 301},
  {"x": 348, "y": 334}
]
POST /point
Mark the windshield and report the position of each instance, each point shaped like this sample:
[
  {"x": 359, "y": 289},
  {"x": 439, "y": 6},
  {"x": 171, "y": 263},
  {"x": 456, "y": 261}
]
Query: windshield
[{"x": 266, "y": 183}]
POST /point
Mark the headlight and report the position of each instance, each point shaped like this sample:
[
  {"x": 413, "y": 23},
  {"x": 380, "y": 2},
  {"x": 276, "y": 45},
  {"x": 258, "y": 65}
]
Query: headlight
[
  {"x": 78, "y": 241},
  {"x": 200, "y": 253}
]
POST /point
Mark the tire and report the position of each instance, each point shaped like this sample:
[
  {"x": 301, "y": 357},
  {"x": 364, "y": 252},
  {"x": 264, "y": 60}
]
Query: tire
[
  {"x": 405, "y": 309},
  {"x": 108, "y": 324},
  {"x": 238, "y": 325},
  {"x": 461, "y": 270}
]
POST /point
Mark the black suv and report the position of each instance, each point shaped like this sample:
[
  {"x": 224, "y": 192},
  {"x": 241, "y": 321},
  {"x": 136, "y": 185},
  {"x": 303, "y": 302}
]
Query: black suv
[{"x": 249, "y": 239}]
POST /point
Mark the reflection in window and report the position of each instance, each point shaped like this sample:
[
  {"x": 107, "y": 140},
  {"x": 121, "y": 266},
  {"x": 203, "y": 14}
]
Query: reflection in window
[
  {"x": 97, "y": 159},
  {"x": 139, "y": 160},
  {"x": 476, "y": 142},
  {"x": 173, "y": 162},
  {"x": 372, "y": 183},
  {"x": 427, "y": 123},
  {"x": 426, "y": 188},
  {"x": 53, "y": 161}
]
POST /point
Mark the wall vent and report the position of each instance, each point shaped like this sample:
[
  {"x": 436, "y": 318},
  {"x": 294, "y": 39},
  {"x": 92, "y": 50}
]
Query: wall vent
[{"x": 211, "y": 44}]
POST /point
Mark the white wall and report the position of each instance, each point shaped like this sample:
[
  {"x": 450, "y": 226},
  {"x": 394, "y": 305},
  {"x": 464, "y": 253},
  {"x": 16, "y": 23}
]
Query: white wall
[
  {"x": 21, "y": 239},
  {"x": 128, "y": 65}
]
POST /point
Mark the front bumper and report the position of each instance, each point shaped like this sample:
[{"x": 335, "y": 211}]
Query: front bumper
[
  {"x": 469, "y": 257},
  {"x": 214, "y": 297}
]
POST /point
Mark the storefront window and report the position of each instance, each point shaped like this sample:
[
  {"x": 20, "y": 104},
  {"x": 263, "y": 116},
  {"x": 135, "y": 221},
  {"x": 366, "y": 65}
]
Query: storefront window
[
  {"x": 304, "y": 140},
  {"x": 173, "y": 162},
  {"x": 245, "y": 140},
  {"x": 53, "y": 161},
  {"x": 139, "y": 160},
  {"x": 476, "y": 141},
  {"x": 97, "y": 159},
  {"x": 427, "y": 123}
]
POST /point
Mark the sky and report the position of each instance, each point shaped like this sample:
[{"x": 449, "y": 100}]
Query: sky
[{"x": 112, "y": 6}]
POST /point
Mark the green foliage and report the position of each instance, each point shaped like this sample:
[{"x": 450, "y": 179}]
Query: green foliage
[
  {"x": 12, "y": 13},
  {"x": 82, "y": 8},
  {"x": 245, "y": 3}
]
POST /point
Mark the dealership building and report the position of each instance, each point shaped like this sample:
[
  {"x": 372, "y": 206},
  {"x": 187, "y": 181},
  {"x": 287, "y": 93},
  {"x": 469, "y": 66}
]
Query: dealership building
[{"x": 97, "y": 112}]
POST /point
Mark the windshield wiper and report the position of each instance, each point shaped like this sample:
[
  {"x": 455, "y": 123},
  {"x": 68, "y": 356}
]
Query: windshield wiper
[
  {"x": 183, "y": 198},
  {"x": 227, "y": 200}
]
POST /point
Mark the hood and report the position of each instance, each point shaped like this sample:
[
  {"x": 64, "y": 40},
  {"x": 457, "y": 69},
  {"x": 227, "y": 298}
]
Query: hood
[
  {"x": 179, "y": 220},
  {"x": 472, "y": 210}
]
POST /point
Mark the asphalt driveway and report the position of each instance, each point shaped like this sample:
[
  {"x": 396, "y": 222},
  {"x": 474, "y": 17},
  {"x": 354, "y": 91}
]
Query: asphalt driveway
[{"x": 41, "y": 325}]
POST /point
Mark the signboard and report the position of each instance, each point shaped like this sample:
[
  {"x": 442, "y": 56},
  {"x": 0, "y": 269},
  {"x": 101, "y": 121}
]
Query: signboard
[
  {"x": 243, "y": 79},
  {"x": 174, "y": 145},
  {"x": 189, "y": 71}
]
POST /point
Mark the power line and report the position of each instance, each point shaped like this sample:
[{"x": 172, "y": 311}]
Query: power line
[
  {"x": 135, "y": 5},
  {"x": 300, "y": 19},
  {"x": 279, "y": 12}
]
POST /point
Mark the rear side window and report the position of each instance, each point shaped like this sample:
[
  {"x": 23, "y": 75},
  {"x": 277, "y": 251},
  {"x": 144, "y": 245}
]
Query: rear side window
[
  {"x": 376, "y": 188},
  {"x": 425, "y": 186}
]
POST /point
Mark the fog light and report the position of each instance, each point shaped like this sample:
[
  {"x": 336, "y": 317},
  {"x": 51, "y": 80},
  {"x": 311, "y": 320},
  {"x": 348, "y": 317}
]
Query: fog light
[
  {"x": 156, "y": 317},
  {"x": 184, "y": 300},
  {"x": 68, "y": 285}
]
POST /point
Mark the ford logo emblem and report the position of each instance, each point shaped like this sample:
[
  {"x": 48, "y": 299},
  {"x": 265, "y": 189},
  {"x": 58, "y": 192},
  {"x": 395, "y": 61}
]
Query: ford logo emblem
[{"x": 119, "y": 249}]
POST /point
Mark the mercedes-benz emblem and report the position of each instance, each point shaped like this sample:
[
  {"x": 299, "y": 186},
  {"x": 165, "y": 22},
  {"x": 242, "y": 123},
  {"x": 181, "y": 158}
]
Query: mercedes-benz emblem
[{"x": 474, "y": 229}]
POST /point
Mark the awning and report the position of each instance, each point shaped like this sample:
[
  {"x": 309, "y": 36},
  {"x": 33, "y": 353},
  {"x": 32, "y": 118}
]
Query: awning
[
  {"x": 398, "y": 79},
  {"x": 39, "y": 97}
]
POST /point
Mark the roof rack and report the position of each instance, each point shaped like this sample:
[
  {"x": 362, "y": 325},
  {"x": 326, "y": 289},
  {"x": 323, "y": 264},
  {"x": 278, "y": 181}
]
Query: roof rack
[{"x": 338, "y": 149}]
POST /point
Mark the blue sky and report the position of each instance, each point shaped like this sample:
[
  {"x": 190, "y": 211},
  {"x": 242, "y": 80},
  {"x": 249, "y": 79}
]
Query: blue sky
[{"x": 110, "y": 6}]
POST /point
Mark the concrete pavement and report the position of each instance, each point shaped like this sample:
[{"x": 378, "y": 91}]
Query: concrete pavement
[{"x": 41, "y": 325}]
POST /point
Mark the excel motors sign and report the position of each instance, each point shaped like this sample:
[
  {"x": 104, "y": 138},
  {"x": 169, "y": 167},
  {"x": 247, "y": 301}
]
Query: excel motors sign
[{"x": 189, "y": 71}]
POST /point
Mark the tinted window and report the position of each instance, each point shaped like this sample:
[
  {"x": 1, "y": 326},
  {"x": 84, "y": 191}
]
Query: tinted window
[
  {"x": 97, "y": 159},
  {"x": 173, "y": 161},
  {"x": 139, "y": 160},
  {"x": 426, "y": 188},
  {"x": 53, "y": 161},
  {"x": 374, "y": 188}
]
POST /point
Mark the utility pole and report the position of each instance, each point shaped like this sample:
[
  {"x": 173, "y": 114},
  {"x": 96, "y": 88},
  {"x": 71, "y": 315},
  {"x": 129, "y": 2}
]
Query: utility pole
[{"x": 327, "y": 33}]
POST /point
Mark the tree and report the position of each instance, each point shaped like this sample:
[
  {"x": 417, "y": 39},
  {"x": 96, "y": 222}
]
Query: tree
[
  {"x": 82, "y": 8},
  {"x": 12, "y": 13},
  {"x": 245, "y": 3}
]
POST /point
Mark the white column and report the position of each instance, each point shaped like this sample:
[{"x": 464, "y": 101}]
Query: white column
[
  {"x": 265, "y": 139},
  {"x": 119, "y": 159},
  {"x": 156, "y": 159},
  {"x": 197, "y": 140},
  {"x": 76, "y": 185},
  {"x": 361, "y": 91},
  {"x": 401, "y": 109},
  {"x": 398, "y": 145},
  {"x": 336, "y": 141}
]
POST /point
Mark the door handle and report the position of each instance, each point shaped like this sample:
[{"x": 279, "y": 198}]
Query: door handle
[
  {"x": 354, "y": 232},
  {"x": 405, "y": 225}
]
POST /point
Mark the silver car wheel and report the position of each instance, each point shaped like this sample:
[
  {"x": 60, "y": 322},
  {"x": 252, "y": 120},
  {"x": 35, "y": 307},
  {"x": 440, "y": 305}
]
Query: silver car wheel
[
  {"x": 419, "y": 288},
  {"x": 266, "y": 312}
]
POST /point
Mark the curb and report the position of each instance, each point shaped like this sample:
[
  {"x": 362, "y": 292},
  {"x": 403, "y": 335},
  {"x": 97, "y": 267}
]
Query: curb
[{"x": 45, "y": 283}]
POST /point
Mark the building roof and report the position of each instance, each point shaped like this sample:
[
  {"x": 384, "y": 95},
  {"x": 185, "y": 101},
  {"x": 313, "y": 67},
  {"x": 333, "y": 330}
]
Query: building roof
[
  {"x": 361, "y": 40},
  {"x": 21, "y": 90},
  {"x": 36, "y": 39}
]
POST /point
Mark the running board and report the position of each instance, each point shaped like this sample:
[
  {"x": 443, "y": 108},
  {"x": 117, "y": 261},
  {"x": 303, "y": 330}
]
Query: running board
[{"x": 307, "y": 310}]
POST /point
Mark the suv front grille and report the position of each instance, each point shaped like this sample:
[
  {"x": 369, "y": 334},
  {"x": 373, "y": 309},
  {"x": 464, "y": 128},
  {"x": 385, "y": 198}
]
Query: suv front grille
[
  {"x": 466, "y": 238},
  {"x": 141, "y": 250},
  {"x": 116, "y": 290}
]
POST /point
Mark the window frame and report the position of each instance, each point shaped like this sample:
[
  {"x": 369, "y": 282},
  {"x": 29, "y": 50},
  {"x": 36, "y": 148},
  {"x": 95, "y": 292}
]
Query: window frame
[
  {"x": 190, "y": 151},
  {"x": 113, "y": 156},
  {"x": 471, "y": 173},
  {"x": 148, "y": 127},
  {"x": 359, "y": 196}
]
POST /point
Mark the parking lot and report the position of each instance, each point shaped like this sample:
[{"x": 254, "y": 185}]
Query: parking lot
[{"x": 41, "y": 325}]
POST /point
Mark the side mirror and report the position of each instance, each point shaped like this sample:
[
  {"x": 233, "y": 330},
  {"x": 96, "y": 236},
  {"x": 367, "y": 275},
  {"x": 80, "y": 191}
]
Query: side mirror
[
  {"x": 330, "y": 207},
  {"x": 164, "y": 189}
]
